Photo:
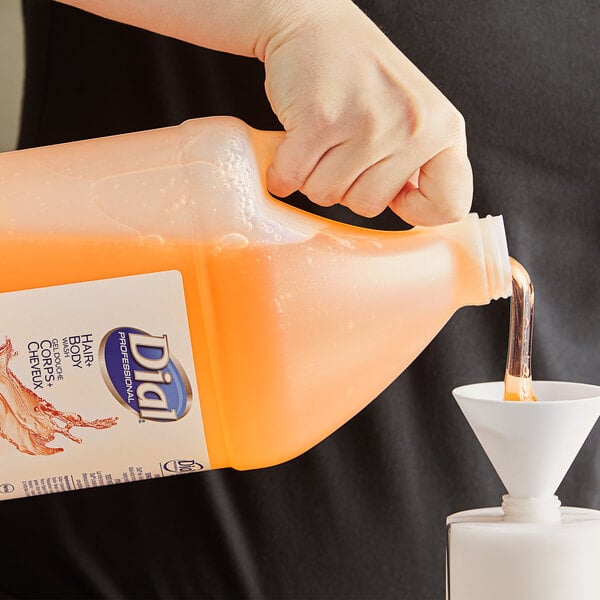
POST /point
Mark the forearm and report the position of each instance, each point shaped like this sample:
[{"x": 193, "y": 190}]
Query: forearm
[{"x": 243, "y": 27}]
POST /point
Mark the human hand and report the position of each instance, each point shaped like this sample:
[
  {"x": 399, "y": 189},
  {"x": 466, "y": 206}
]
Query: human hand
[{"x": 364, "y": 127}]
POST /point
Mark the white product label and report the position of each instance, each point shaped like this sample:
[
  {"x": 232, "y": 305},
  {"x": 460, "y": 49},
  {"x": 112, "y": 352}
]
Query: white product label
[{"x": 97, "y": 385}]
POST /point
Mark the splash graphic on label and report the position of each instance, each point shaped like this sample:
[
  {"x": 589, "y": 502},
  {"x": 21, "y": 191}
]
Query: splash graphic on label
[
  {"x": 29, "y": 422},
  {"x": 143, "y": 376}
]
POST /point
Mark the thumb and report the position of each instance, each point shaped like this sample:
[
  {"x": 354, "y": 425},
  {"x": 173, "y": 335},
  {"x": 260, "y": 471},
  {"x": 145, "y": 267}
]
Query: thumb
[{"x": 444, "y": 192}]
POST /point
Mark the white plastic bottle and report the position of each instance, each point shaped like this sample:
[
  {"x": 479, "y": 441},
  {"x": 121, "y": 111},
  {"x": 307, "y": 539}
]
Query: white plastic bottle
[{"x": 529, "y": 548}]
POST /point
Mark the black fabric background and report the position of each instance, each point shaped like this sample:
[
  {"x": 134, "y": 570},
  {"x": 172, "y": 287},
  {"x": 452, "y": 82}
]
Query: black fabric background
[{"x": 363, "y": 514}]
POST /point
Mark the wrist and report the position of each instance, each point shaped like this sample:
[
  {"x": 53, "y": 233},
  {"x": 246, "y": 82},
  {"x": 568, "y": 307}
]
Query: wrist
[{"x": 284, "y": 19}]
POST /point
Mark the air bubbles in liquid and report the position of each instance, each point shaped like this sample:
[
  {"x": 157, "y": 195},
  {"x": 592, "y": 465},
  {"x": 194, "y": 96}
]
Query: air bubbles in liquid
[
  {"x": 278, "y": 305},
  {"x": 153, "y": 239},
  {"x": 234, "y": 240}
]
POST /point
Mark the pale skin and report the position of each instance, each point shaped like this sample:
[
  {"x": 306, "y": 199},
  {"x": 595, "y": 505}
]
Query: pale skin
[{"x": 364, "y": 127}]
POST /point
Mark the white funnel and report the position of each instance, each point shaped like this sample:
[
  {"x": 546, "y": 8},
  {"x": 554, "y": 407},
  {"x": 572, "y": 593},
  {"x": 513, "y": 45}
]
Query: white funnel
[{"x": 531, "y": 444}]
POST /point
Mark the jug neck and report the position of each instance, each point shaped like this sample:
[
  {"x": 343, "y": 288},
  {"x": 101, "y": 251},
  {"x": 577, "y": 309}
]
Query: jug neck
[
  {"x": 496, "y": 259},
  {"x": 481, "y": 258}
]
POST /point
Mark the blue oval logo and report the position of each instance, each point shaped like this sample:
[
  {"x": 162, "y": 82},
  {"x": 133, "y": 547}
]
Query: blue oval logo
[{"x": 138, "y": 369}]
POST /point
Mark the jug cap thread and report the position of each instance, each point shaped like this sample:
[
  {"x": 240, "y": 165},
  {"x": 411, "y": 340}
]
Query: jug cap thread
[{"x": 495, "y": 251}]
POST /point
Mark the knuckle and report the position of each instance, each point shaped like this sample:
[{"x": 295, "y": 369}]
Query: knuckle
[
  {"x": 453, "y": 213},
  {"x": 324, "y": 126},
  {"x": 368, "y": 211},
  {"x": 319, "y": 190},
  {"x": 443, "y": 124},
  {"x": 320, "y": 197},
  {"x": 363, "y": 207},
  {"x": 455, "y": 209},
  {"x": 285, "y": 181},
  {"x": 455, "y": 125},
  {"x": 412, "y": 117},
  {"x": 290, "y": 168},
  {"x": 294, "y": 178}
]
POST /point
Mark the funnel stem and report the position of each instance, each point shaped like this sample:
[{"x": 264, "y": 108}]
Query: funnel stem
[{"x": 531, "y": 510}]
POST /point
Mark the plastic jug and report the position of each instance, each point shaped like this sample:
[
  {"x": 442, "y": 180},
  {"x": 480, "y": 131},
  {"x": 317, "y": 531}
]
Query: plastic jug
[{"x": 164, "y": 314}]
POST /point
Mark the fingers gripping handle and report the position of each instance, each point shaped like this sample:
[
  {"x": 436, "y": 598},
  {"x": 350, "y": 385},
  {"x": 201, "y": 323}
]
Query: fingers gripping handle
[{"x": 266, "y": 144}]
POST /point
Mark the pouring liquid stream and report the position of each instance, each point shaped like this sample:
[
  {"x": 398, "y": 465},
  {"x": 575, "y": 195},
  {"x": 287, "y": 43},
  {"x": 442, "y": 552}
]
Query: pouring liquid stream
[{"x": 517, "y": 377}]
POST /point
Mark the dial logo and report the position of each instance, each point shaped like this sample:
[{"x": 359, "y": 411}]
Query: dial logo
[{"x": 143, "y": 376}]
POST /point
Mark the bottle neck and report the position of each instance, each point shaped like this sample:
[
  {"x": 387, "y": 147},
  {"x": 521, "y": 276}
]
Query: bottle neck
[
  {"x": 531, "y": 510},
  {"x": 495, "y": 253}
]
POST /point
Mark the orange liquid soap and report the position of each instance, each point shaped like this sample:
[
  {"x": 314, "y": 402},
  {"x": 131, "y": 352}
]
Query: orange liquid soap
[{"x": 517, "y": 378}]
